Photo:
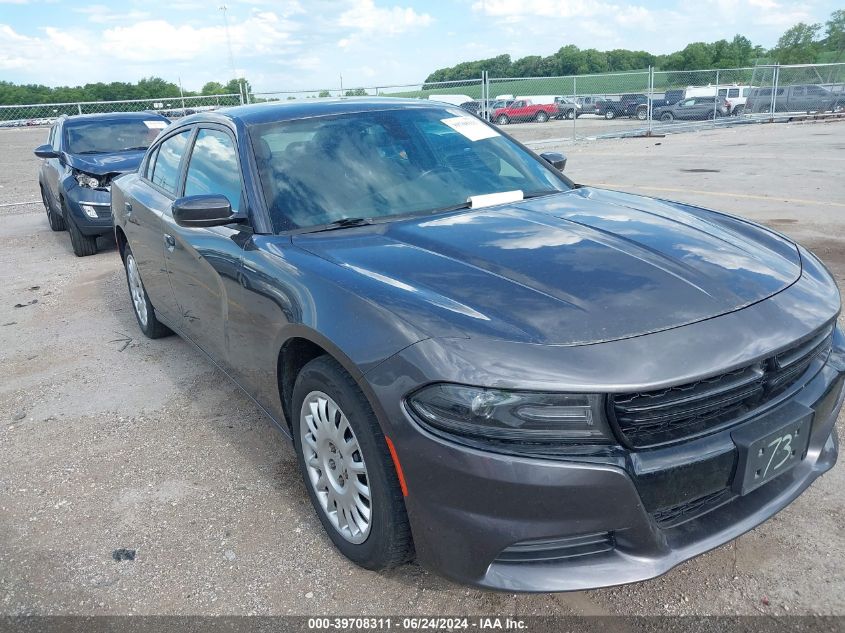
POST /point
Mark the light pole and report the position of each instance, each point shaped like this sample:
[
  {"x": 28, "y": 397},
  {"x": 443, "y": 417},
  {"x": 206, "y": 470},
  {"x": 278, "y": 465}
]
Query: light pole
[{"x": 244, "y": 97}]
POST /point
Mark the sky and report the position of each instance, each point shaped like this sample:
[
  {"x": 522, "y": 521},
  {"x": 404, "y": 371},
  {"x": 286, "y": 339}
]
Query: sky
[{"x": 287, "y": 45}]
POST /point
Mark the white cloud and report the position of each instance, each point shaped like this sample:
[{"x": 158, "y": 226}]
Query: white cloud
[{"x": 365, "y": 16}]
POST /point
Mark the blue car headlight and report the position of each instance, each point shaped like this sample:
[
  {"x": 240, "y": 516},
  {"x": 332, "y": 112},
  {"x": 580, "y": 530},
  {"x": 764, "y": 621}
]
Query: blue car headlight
[
  {"x": 512, "y": 416},
  {"x": 86, "y": 180}
]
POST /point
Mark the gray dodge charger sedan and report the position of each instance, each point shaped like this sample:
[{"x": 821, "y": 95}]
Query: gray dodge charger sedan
[{"x": 525, "y": 383}]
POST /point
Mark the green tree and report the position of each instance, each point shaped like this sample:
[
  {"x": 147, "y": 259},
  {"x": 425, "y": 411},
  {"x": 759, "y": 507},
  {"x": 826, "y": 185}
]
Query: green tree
[
  {"x": 324, "y": 93},
  {"x": 835, "y": 34},
  {"x": 798, "y": 45},
  {"x": 213, "y": 88}
]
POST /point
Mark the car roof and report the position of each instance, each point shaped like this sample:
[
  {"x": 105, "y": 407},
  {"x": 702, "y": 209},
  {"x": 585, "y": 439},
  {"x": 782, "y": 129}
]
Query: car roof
[
  {"x": 117, "y": 116},
  {"x": 274, "y": 111}
]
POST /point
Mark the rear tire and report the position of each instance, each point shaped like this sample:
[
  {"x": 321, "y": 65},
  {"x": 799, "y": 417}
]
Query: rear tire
[
  {"x": 642, "y": 114},
  {"x": 344, "y": 419},
  {"x": 541, "y": 117},
  {"x": 739, "y": 110},
  {"x": 144, "y": 311},
  {"x": 503, "y": 119},
  {"x": 668, "y": 117},
  {"x": 83, "y": 245}
]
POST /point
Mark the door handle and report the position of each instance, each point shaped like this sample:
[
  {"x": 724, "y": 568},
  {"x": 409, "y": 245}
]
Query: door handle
[{"x": 169, "y": 242}]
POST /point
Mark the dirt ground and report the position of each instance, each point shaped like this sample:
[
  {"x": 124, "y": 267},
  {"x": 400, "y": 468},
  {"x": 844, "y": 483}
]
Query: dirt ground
[{"x": 109, "y": 440}]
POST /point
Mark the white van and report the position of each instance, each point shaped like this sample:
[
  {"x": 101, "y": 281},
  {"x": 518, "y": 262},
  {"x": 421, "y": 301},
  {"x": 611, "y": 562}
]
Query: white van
[
  {"x": 736, "y": 94},
  {"x": 453, "y": 99}
]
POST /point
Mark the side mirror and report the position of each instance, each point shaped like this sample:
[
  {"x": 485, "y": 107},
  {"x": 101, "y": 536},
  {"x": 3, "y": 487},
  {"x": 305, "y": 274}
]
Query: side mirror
[
  {"x": 555, "y": 159},
  {"x": 46, "y": 151},
  {"x": 205, "y": 210}
]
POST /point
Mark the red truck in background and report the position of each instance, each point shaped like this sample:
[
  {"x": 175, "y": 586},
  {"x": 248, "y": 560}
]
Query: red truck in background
[{"x": 525, "y": 110}]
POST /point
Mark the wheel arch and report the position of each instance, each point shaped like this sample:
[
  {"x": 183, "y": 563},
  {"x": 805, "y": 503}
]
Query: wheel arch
[
  {"x": 303, "y": 345},
  {"x": 120, "y": 238}
]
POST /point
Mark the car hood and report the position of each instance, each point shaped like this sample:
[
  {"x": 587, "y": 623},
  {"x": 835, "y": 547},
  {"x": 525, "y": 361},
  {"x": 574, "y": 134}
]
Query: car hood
[
  {"x": 579, "y": 267},
  {"x": 101, "y": 164}
]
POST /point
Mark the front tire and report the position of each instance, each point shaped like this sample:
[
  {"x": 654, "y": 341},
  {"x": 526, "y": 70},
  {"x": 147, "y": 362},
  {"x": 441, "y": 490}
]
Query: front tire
[
  {"x": 570, "y": 114},
  {"x": 642, "y": 114},
  {"x": 610, "y": 114},
  {"x": 83, "y": 245},
  {"x": 667, "y": 117},
  {"x": 503, "y": 119},
  {"x": 347, "y": 468},
  {"x": 541, "y": 117},
  {"x": 142, "y": 307},
  {"x": 57, "y": 222}
]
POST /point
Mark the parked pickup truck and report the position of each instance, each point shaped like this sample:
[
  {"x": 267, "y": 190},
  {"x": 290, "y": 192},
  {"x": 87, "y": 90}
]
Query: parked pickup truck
[
  {"x": 630, "y": 105},
  {"x": 525, "y": 110},
  {"x": 803, "y": 98}
]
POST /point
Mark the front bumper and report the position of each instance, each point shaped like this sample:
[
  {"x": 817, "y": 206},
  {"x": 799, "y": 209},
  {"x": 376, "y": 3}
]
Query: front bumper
[
  {"x": 469, "y": 508},
  {"x": 98, "y": 200}
]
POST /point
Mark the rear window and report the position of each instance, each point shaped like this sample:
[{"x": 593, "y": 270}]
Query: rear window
[{"x": 111, "y": 135}]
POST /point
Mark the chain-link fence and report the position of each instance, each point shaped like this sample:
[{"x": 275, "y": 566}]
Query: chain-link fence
[
  {"x": 659, "y": 102},
  {"x": 555, "y": 109},
  {"x": 172, "y": 107},
  {"x": 465, "y": 92}
]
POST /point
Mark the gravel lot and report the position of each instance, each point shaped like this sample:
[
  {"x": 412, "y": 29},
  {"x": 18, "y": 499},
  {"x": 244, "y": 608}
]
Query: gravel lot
[{"x": 109, "y": 440}]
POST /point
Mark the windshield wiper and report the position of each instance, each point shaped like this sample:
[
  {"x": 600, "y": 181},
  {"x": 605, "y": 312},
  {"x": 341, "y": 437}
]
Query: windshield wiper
[
  {"x": 89, "y": 151},
  {"x": 454, "y": 207},
  {"x": 538, "y": 194},
  {"x": 343, "y": 223},
  {"x": 131, "y": 149}
]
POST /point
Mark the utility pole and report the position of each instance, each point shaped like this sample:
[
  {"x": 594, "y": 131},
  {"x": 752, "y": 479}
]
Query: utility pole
[
  {"x": 182, "y": 95},
  {"x": 224, "y": 9}
]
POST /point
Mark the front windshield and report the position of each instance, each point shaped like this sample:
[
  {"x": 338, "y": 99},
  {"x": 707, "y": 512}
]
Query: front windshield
[
  {"x": 106, "y": 136},
  {"x": 378, "y": 164}
]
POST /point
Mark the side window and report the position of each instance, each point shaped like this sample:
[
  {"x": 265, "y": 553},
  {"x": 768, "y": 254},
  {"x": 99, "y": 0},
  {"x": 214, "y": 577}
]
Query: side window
[
  {"x": 55, "y": 137},
  {"x": 733, "y": 92},
  {"x": 213, "y": 167},
  {"x": 723, "y": 92},
  {"x": 166, "y": 166},
  {"x": 746, "y": 92},
  {"x": 798, "y": 91}
]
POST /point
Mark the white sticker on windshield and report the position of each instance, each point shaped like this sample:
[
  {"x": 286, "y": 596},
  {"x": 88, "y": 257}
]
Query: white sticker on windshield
[
  {"x": 474, "y": 129},
  {"x": 155, "y": 125}
]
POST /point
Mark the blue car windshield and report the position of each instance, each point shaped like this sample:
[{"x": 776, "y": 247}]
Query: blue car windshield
[
  {"x": 108, "y": 136},
  {"x": 394, "y": 162}
]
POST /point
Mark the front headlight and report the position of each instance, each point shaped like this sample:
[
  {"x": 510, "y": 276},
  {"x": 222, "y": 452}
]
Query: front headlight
[
  {"x": 512, "y": 416},
  {"x": 86, "y": 180}
]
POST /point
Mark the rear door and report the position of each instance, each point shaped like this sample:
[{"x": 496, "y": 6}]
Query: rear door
[
  {"x": 144, "y": 206},
  {"x": 204, "y": 263}
]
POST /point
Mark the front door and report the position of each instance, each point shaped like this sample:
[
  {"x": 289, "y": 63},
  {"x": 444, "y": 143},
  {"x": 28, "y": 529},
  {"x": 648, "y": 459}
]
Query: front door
[{"x": 204, "y": 263}]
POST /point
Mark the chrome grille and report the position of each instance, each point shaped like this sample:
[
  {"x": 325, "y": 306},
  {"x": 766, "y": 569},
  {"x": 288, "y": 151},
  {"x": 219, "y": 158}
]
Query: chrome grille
[{"x": 650, "y": 418}]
